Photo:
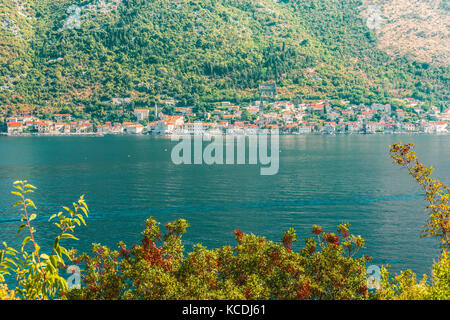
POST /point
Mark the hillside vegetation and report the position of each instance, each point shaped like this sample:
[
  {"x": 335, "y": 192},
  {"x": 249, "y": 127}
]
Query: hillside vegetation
[
  {"x": 79, "y": 56},
  {"x": 414, "y": 27}
]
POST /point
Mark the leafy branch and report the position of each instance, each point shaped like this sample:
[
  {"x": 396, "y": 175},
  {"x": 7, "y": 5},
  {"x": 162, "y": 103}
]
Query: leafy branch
[{"x": 37, "y": 274}]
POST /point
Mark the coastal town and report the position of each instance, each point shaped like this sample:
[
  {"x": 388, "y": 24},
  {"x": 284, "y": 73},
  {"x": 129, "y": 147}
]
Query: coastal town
[{"x": 289, "y": 117}]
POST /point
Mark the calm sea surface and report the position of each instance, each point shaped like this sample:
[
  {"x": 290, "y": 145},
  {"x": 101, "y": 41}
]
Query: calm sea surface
[{"x": 324, "y": 180}]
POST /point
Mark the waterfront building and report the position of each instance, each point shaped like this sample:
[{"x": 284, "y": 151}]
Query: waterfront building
[
  {"x": 408, "y": 127},
  {"x": 117, "y": 128},
  {"x": 104, "y": 129},
  {"x": 373, "y": 127},
  {"x": 441, "y": 127},
  {"x": 329, "y": 128},
  {"x": 43, "y": 127},
  {"x": 14, "y": 128},
  {"x": 151, "y": 126},
  {"x": 141, "y": 114},
  {"x": 169, "y": 124},
  {"x": 61, "y": 127},
  {"x": 354, "y": 127},
  {"x": 136, "y": 128}
]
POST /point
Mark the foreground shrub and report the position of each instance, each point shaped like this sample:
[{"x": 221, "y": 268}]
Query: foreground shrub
[
  {"x": 5, "y": 293},
  {"x": 254, "y": 268},
  {"x": 406, "y": 287},
  {"x": 36, "y": 274}
]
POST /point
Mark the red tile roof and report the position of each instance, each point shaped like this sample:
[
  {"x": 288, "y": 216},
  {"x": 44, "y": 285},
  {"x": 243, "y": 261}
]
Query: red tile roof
[{"x": 14, "y": 124}]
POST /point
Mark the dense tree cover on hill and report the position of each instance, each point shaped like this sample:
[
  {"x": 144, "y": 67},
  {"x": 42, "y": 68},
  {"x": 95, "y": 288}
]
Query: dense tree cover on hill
[{"x": 197, "y": 52}]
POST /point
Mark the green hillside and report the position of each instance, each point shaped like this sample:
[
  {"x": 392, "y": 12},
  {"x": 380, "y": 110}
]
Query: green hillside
[{"x": 79, "y": 56}]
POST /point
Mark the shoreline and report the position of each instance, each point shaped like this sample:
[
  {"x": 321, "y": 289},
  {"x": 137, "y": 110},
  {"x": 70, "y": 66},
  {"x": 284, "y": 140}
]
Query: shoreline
[{"x": 100, "y": 135}]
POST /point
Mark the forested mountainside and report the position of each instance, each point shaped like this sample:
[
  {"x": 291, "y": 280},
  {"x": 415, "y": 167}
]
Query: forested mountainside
[{"x": 85, "y": 57}]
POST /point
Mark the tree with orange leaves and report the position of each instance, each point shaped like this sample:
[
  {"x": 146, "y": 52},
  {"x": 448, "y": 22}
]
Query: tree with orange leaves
[
  {"x": 405, "y": 286},
  {"x": 437, "y": 193}
]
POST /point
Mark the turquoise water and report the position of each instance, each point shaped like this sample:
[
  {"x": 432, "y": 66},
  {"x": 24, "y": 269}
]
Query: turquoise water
[{"x": 322, "y": 180}]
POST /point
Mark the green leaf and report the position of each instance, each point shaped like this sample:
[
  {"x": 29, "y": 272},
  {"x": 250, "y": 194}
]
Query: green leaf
[
  {"x": 23, "y": 225},
  {"x": 30, "y": 202},
  {"x": 65, "y": 252},
  {"x": 67, "y": 209},
  {"x": 10, "y": 261},
  {"x": 44, "y": 256},
  {"x": 7, "y": 264},
  {"x": 54, "y": 261},
  {"x": 32, "y": 217},
  {"x": 68, "y": 236},
  {"x": 18, "y": 203},
  {"x": 81, "y": 218},
  {"x": 24, "y": 242}
]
